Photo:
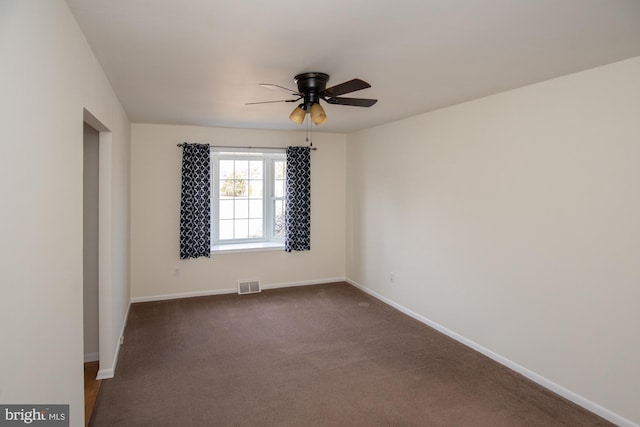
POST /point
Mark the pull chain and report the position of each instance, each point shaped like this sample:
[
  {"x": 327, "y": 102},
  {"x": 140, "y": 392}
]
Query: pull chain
[
  {"x": 306, "y": 129},
  {"x": 309, "y": 134}
]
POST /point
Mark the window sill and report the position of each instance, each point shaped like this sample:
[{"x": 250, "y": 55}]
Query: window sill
[{"x": 247, "y": 247}]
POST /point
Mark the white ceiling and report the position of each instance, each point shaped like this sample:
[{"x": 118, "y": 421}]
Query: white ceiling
[{"x": 199, "y": 61}]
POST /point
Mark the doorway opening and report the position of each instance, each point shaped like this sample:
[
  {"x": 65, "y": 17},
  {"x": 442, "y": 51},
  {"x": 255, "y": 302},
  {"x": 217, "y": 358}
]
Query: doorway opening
[{"x": 90, "y": 264}]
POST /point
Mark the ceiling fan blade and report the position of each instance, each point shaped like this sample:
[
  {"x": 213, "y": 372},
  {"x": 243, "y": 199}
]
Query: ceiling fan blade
[
  {"x": 355, "y": 102},
  {"x": 346, "y": 87},
  {"x": 272, "y": 86},
  {"x": 270, "y": 102}
]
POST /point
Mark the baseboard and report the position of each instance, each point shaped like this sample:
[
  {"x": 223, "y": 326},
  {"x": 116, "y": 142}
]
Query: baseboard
[
  {"x": 111, "y": 371},
  {"x": 539, "y": 379},
  {"x": 91, "y": 357},
  {"x": 233, "y": 290},
  {"x": 105, "y": 374},
  {"x": 305, "y": 283},
  {"x": 180, "y": 295}
]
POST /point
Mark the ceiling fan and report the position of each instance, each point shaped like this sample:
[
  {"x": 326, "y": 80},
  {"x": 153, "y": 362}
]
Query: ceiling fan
[{"x": 312, "y": 87}]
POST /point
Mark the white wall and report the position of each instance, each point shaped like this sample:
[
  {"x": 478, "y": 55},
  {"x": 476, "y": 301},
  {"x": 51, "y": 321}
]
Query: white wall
[
  {"x": 513, "y": 220},
  {"x": 47, "y": 78},
  {"x": 155, "y": 209}
]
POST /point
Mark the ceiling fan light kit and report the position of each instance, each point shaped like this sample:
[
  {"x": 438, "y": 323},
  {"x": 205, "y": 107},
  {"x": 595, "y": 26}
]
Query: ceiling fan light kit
[
  {"x": 297, "y": 115},
  {"x": 312, "y": 87},
  {"x": 318, "y": 116}
]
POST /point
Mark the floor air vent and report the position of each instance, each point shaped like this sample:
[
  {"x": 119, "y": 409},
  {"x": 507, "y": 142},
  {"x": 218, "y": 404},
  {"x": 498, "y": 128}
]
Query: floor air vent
[{"x": 249, "y": 287}]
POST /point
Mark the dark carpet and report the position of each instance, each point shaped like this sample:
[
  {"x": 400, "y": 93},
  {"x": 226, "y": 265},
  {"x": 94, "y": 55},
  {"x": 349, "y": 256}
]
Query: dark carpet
[{"x": 323, "y": 355}]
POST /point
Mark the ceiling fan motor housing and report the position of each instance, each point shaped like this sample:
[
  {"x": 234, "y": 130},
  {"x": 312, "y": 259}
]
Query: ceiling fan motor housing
[{"x": 310, "y": 85}]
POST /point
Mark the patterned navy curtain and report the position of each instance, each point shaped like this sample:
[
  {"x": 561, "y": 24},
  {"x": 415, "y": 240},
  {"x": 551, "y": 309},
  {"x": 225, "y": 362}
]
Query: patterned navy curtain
[
  {"x": 298, "y": 196},
  {"x": 195, "y": 202}
]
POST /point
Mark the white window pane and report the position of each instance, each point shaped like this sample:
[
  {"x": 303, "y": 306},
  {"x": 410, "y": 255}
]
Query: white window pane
[
  {"x": 279, "y": 188},
  {"x": 241, "y": 208},
  {"x": 279, "y": 220},
  {"x": 279, "y": 207},
  {"x": 226, "y": 209},
  {"x": 226, "y": 169},
  {"x": 242, "y": 169},
  {"x": 255, "y": 208},
  {"x": 227, "y": 188},
  {"x": 255, "y": 188},
  {"x": 226, "y": 229},
  {"x": 241, "y": 229},
  {"x": 279, "y": 169},
  {"x": 255, "y": 228},
  {"x": 245, "y": 200},
  {"x": 255, "y": 169},
  {"x": 240, "y": 188}
]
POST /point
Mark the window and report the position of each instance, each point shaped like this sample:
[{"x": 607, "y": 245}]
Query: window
[{"x": 248, "y": 200}]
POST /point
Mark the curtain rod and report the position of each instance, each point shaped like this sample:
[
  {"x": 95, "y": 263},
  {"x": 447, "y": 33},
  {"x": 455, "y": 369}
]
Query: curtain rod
[{"x": 248, "y": 147}]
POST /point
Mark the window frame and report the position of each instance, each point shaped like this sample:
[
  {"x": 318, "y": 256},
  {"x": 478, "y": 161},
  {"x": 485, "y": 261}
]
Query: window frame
[{"x": 269, "y": 241}]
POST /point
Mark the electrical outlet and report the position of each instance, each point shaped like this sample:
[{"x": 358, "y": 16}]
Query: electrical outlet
[{"x": 392, "y": 277}]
